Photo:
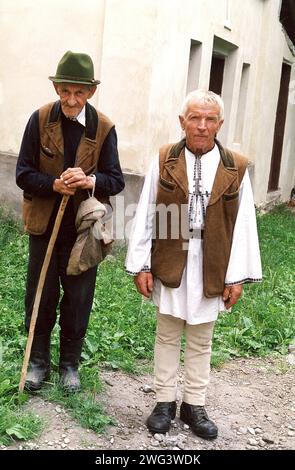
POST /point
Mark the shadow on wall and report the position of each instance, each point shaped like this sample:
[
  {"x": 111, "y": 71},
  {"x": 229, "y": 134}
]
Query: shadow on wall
[{"x": 10, "y": 194}]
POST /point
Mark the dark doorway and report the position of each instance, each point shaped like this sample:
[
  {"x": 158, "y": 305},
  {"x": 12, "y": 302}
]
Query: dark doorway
[
  {"x": 278, "y": 140},
  {"x": 216, "y": 74}
]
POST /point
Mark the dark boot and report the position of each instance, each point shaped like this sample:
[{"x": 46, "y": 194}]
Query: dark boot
[
  {"x": 197, "y": 419},
  {"x": 70, "y": 353},
  {"x": 39, "y": 365},
  {"x": 160, "y": 419}
]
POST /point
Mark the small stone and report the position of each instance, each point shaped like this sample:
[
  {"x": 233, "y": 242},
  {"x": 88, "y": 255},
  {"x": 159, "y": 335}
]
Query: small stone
[
  {"x": 268, "y": 440},
  {"x": 242, "y": 430},
  {"x": 147, "y": 389},
  {"x": 258, "y": 431},
  {"x": 181, "y": 445},
  {"x": 154, "y": 443},
  {"x": 291, "y": 433},
  {"x": 66, "y": 440},
  {"x": 108, "y": 382},
  {"x": 290, "y": 358},
  {"x": 252, "y": 442},
  {"x": 251, "y": 431}
]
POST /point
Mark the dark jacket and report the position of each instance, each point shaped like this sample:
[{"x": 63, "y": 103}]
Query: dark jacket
[{"x": 41, "y": 160}]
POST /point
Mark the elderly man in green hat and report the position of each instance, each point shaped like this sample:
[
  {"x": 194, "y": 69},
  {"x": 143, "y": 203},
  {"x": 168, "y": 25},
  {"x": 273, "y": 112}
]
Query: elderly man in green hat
[{"x": 68, "y": 148}]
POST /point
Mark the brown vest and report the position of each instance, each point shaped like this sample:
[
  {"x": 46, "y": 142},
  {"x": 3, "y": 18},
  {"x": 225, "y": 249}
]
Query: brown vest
[
  {"x": 169, "y": 254},
  {"x": 37, "y": 210}
]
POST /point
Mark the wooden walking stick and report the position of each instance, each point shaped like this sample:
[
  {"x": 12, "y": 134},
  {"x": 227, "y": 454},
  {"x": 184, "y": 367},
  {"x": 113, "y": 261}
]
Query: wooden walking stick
[{"x": 39, "y": 290}]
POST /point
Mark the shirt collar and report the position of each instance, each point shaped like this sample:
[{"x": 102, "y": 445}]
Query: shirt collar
[
  {"x": 203, "y": 154},
  {"x": 81, "y": 118}
]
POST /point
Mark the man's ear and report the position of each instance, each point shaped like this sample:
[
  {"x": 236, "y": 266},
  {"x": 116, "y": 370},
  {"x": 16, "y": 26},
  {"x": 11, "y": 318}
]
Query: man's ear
[
  {"x": 56, "y": 87},
  {"x": 181, "y": 120},
  {"x": 92, "y": 90},
  {"x": 220, "y": 124}
]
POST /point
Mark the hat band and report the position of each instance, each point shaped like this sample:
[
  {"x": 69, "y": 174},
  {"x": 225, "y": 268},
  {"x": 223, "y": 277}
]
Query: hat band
[{"x": 70, "y": 77}]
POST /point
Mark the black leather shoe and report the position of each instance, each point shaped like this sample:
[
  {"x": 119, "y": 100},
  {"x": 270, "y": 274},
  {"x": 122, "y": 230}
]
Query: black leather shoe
[
  {"x": 196, "y": 418},
  {"x": 160, "y": 419}
]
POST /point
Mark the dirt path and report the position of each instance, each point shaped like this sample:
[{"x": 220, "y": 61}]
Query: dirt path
[{"x": 252, "y": 401}]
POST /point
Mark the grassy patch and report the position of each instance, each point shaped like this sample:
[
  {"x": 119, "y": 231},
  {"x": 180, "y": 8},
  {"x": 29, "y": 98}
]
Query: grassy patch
[
  {"x": 83, "y": 406},
  {"x": 264, "y": 319},
  {"x": 122, "y": 324}
]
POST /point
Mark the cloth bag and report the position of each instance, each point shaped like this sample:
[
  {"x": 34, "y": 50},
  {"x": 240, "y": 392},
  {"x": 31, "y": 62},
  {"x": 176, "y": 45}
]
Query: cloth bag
[{"x": 94, "y": 235}]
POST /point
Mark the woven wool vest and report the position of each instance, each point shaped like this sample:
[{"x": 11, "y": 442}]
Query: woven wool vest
[
  {"x": 37, "y": 210},
  {"x": 169, "y": 253}
]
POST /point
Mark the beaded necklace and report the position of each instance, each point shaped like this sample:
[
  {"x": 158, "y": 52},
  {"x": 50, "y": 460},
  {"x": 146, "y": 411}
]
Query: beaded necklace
[{"x": 197, "y": 195}]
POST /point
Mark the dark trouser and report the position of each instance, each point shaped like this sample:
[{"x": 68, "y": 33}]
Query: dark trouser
[{"x": 78, "y": 291}]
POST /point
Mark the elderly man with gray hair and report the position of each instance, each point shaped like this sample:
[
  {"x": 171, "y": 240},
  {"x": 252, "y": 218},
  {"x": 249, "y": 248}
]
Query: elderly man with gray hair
[
  {"x": 197, "y": 267},
  {"x": 68, "y": 149}
]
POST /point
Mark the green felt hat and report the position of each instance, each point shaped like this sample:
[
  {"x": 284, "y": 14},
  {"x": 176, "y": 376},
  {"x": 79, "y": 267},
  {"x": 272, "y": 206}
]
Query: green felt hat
[{"x": 75, "y": 67}]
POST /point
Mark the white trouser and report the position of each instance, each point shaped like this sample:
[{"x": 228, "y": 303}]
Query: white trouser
[{"x": 196, "y": 359}]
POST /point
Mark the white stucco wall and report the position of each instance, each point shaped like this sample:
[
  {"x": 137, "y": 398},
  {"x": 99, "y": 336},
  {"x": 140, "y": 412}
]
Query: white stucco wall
[
  {"x": 146, "y": 55},
  {"x": 141, "y": 53},
  {"x": 271, "y": 52},
  {"x": 34, "y": 35}
]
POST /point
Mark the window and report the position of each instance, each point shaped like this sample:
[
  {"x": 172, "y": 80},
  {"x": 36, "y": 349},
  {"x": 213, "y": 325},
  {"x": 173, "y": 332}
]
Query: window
[
  {"x": 194, "y": 66},
  {"x": 239, "y": 131}
]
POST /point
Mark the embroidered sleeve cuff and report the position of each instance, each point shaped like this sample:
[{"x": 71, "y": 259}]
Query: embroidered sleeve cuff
[
  {"x": 243, "y": 281},
  {"x": 145, "y": 269}
]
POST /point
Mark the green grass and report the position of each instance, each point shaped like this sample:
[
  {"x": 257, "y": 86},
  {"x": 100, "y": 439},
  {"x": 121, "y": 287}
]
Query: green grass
[
  {"x": 122, "y": 326},
  {"x": 14, "y": 422},
  {"x": 122, "y": 323},
  {"x": 83, "y": 406},
  {"x": 263, "y": 321}
]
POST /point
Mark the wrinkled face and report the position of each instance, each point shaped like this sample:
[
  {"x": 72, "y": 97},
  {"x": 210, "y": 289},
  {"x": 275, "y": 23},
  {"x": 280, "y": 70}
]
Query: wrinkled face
[
  {"x": 201, "y": 123},
  {"x": 73, "y": 97}
]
